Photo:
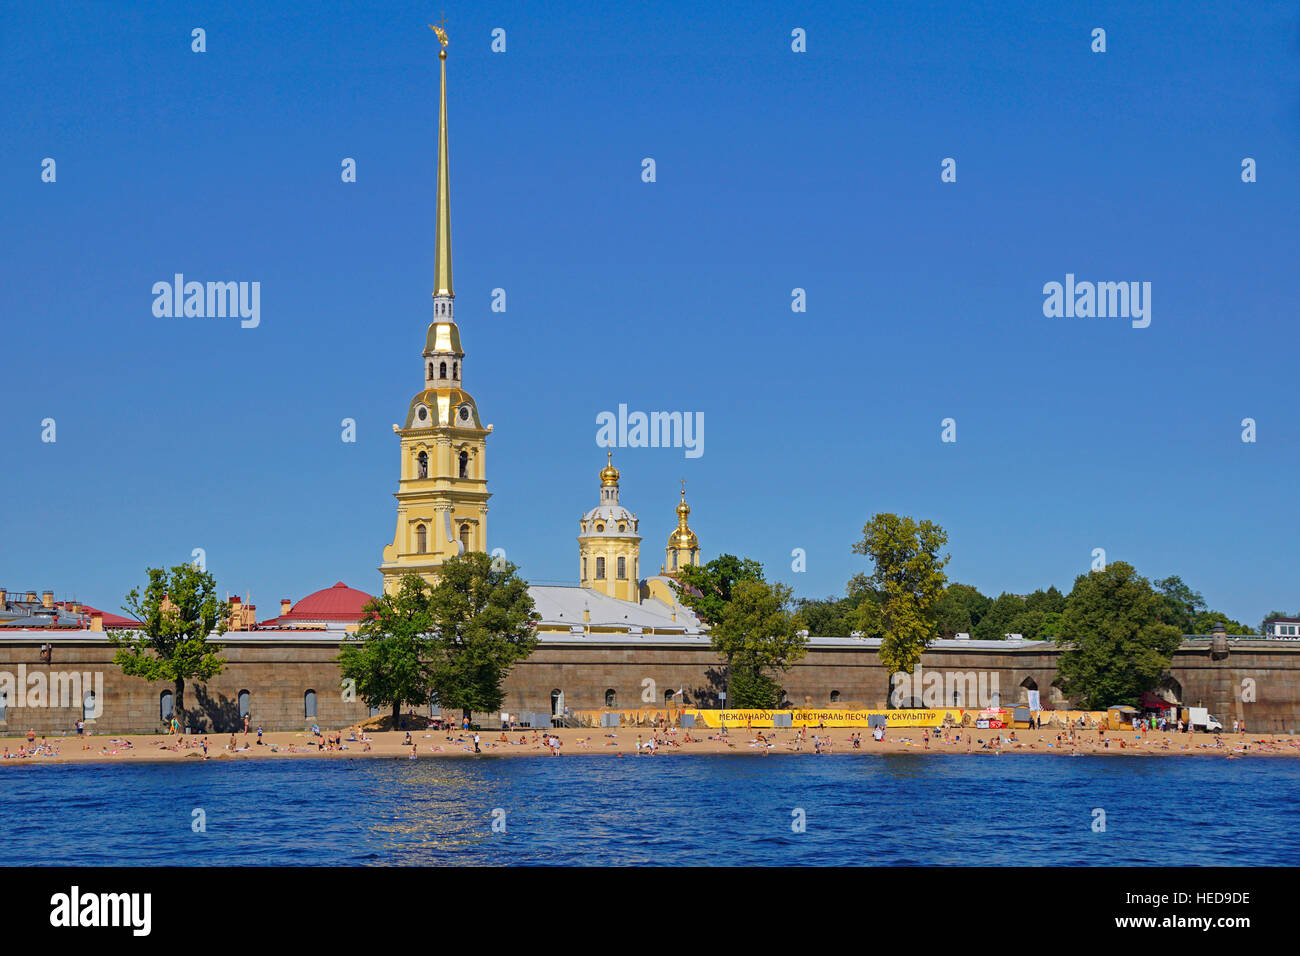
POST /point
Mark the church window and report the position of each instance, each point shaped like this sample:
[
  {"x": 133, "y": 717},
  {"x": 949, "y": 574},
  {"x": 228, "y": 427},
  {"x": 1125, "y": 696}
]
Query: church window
[
  {"x": 622, "y": 528},
  {"x": 584, "y": 569},
  {"x": 600, "y": 527},
  {"x": 622, "y": 569},
  {"x": 600, "y": 569},
  {"x": 422, "y": 465},
  {"x": 464, "y": 464},
  {"x": 455, "y": 370},
  {"x": 430, "y": 370},
  {"x": 421, "y": 539},
  {"x": 464, "y": 536},
  {"x": 442, "y": 370},
  {"x": 674, "y": 560},
  {"x": 611, "y": 698}
]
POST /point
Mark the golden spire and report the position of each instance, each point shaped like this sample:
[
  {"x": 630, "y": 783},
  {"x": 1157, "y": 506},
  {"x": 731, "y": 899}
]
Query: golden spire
[
  {"x": 609, "y": 474},
  {"x": 442, "y": 263}
]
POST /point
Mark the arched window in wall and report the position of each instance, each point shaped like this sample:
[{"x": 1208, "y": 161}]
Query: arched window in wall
[
  {"x": 611, "y": 698},
  {"x": 455, "y": 370},
  {"x": 464, "y": 536},
  {"x": 600, "y": 569},
  {"x": 166, "y": 706},
  {"x": 464, "y": 464},
  {"x": 442, "y": 370},
  {"x": 430, "y": 371},
  {"x": 245, "y": 699},
  {"x": 584, "y": 569},
  {"x": 309, "y": 704},
  {"x": 622, "y": 569},
  {"x": 421, "y": 539},
  {"x": 422, "y": 465}
]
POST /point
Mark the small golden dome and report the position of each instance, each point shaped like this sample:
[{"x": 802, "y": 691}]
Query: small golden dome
[
  {"x": 683, "y": 538},
  {"x": 609, "y": 474}
]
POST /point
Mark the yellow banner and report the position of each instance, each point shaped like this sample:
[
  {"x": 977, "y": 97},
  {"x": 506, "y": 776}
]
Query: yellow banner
[{"x": 714, "y": 719}]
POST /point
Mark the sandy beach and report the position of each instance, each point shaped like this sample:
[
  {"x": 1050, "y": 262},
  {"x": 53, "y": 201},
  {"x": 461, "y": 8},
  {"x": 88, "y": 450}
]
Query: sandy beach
[{"x": 633, "y": 743}]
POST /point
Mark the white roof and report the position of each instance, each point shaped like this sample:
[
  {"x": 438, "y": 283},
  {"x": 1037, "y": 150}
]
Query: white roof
[{"x": 564, "y": 605}]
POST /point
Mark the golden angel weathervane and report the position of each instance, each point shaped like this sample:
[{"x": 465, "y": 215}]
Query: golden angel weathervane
[{"x": 438, "y": 29}]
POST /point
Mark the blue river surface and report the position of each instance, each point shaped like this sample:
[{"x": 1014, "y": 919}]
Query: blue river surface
[{"x": 708, "y": 810}]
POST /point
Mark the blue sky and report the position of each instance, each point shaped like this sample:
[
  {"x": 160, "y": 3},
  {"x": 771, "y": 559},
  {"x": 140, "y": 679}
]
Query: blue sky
[{"x": 775, "y": 171}]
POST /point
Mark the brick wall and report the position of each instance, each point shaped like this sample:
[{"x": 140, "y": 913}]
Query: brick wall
[{"x": 277, "y": 674}]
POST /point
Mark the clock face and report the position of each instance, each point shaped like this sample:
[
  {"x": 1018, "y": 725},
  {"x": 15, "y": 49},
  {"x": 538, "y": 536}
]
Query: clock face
[
  {"x": 422, "y": 413},
  {"x": 464, "y": 413}
]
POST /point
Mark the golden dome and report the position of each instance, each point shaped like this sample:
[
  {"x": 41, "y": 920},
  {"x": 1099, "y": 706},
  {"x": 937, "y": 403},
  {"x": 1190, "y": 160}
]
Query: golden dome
[
  {"x": 609, "y": 474},
  {"x": 683, "y": 538}
]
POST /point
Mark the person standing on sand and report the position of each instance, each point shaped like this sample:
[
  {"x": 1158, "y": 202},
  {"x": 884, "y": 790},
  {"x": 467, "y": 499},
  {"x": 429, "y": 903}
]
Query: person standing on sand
[{"x": 476, "y": 747}]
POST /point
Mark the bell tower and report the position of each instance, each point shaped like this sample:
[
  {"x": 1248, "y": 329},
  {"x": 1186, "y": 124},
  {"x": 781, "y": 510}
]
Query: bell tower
[{"x": 442, "y": 484}]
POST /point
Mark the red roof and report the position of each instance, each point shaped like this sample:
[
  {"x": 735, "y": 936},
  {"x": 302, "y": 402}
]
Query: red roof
[
  {"x": 110, "y": 620},
  {"x": 339, "y": 603}
]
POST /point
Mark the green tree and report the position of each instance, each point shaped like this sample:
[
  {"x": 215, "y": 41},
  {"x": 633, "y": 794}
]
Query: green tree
[
  {"x": 484, "y": 623},
  {"x": 996, "y": 623},
  {"x": 828, "y": 617},
  {"x": 908, "y": 579},
  {"x": 1049, "y": 602},
  {"x": 758, "y": 638},
  {"x": 1179, "y": 604},
  {"x": 178, "y": 610},
  {"x": 706, "y": 589},
  {"x": 388, "y": 657},
  {"x": 959, "y": 608},
  {"x": 1205, "y": 621},
  {"x": 1116, "y": 645}
]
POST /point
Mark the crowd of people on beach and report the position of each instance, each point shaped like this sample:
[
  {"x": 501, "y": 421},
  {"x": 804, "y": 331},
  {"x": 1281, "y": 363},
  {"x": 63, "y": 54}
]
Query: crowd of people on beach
[{"x": 1145, "y": 736}]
